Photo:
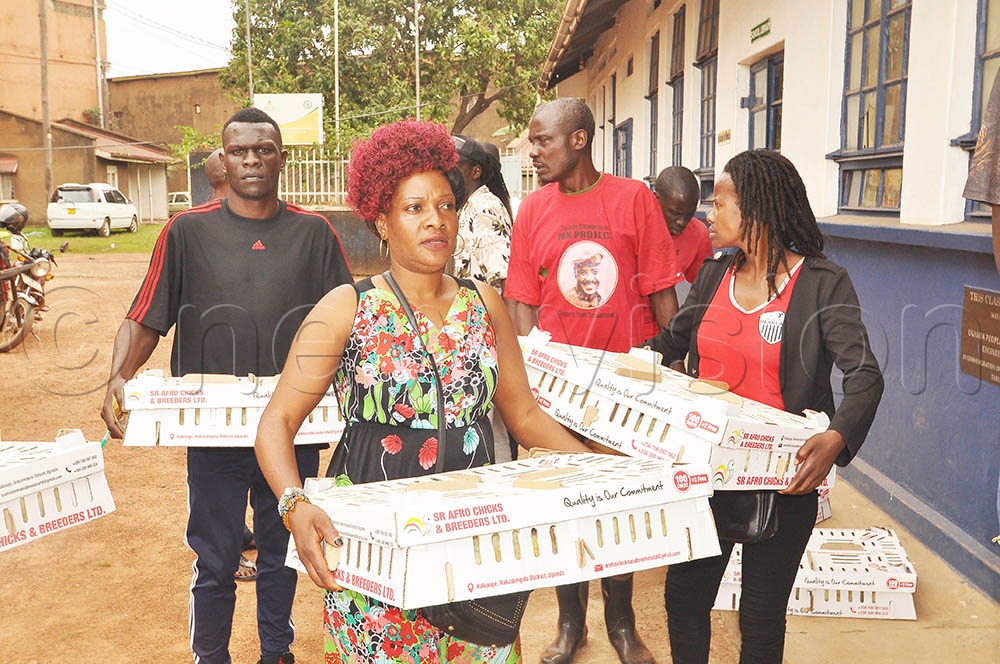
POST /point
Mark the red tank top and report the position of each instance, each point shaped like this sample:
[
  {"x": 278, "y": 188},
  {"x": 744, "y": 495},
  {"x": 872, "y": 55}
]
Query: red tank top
[{"x": 743, "y": 348}]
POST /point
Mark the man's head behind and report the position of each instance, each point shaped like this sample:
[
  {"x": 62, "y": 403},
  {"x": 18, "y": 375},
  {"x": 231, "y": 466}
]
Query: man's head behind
[
  {"x": 479, "y": 166},
  {"x": 561, "y": 133},
  {"x": 678, "y": 192},
  {"x": 215, "y": 171}
]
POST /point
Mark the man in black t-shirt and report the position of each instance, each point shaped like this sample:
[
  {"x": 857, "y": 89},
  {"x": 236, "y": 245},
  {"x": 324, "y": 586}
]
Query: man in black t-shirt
[{"x": 235, "y": 278}]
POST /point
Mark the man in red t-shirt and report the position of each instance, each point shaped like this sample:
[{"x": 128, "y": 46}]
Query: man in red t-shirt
[
  {"x": 592, "y": 263},
  {"x": 677, "y": 190}
]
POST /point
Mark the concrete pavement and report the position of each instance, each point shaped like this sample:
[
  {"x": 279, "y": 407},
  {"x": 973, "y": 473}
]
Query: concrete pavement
[{"x": 955, "y": 623}]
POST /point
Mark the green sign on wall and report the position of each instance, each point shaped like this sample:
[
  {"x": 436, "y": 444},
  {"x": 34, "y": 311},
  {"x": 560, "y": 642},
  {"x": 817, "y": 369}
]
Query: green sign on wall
[{"x": 762, "y": 29}]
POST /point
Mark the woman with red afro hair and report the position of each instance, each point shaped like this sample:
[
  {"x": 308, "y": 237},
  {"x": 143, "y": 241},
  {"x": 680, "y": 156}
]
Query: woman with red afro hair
[
  {"x": 404, "y": 184},
  {"x": 392, "y": 154}
]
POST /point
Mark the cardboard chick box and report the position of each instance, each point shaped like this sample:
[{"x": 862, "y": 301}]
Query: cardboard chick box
[
  {"x": 843, "y": 574},
  {"x": 515, "y": 526},
  {"x": 207, "y": 410},
  {"x": 47, "y": 487},
  {"x": 824, "y": 510},
  {"x": 630, "y": 404}
]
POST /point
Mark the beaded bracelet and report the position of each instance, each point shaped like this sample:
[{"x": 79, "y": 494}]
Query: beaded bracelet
[{"x": 291, "y": 497}]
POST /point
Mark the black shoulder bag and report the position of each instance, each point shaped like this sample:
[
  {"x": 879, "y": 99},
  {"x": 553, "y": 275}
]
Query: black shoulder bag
[
  {"x": 746, "y": 517},
  {"x": 488, "y": 621}
]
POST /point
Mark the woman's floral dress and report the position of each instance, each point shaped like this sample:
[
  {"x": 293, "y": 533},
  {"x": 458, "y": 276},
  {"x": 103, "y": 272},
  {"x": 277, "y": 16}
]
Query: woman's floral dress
[{"x": 389, "y": 402}]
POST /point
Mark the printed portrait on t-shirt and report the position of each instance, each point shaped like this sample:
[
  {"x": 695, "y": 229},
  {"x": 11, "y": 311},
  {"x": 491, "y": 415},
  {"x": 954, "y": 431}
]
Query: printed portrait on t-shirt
[{"x": 588, "y": 275}]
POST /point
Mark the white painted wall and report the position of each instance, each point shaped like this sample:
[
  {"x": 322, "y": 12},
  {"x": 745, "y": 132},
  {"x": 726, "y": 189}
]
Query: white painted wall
[
  {"x": 812, "y": 35},
  {"x": 938, "y": 109}
]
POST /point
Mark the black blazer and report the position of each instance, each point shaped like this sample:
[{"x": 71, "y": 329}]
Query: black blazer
[{"x": 822, "y": 328}]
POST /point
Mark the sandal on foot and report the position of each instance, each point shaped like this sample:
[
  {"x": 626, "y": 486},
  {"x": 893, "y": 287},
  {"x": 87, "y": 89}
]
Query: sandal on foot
[{"x": 247, "y": 571}]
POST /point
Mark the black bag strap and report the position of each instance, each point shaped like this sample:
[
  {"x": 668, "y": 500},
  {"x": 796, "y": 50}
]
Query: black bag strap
[{"x": 398, "y": 292}]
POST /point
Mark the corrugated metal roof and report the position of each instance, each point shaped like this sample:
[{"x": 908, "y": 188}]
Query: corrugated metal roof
[
  {"x": 117, "y": 147},
  {"x": 583, "y": 21}
]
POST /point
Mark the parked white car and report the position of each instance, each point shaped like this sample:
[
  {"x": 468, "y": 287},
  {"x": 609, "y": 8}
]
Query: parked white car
[
  {"x": 94, "y": 207},
  {"x": 178, "y": 201}
]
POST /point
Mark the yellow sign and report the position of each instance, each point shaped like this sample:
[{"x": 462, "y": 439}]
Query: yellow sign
[{"x": 300, "y": 116}]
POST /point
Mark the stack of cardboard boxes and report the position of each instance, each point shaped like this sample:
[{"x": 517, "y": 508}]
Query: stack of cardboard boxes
[
  {"x": 843, "y": 574},
  {"x": 48, "y": 487}
]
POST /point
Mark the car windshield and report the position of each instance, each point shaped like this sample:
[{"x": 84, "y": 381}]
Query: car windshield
[{"x": 75, "y": 195}]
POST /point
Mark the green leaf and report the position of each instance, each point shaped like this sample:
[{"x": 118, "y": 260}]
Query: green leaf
[{"x": 475, "y": 55}]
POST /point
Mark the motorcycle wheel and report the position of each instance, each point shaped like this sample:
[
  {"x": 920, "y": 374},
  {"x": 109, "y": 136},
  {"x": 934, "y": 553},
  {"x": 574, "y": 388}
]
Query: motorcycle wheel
[{"x": 15, "y": 320}]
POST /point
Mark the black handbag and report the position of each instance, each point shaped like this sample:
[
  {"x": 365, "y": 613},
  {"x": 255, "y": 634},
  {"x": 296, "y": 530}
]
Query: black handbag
[
  {"x": 747, "y": 517},
  {"x": 487, "y": 621}
]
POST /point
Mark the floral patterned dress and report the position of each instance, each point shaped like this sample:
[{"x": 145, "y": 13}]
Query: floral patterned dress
[{"x": 389, "y": 402}]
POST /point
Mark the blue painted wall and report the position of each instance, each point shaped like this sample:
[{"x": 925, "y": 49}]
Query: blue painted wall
[{"x": 932, "y": 459}]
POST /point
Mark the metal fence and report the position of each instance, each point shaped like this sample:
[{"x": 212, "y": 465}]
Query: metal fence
[{"x": 314, "y": 177}]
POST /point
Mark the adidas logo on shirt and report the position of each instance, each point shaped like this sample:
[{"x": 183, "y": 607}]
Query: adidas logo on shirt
[{"x": 258, "y": 246}]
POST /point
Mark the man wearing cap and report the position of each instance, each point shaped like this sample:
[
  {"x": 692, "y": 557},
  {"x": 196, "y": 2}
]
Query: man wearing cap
[
  {"x": 483, "y": 250},
  {"x": 592, "y": 263},
  {"x": 484, "y": 221}
]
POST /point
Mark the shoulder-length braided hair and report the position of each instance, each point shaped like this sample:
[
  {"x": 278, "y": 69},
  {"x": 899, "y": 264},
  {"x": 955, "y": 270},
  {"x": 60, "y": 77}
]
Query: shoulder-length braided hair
[{"x": 773, "y": 205}]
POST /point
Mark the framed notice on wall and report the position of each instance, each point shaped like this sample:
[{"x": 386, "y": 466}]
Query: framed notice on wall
[{"x": 981, "y": 334}]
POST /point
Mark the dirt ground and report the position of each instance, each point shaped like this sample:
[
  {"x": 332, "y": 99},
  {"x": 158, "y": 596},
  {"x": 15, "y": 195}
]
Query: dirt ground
[{"x": 116, "y": 589}]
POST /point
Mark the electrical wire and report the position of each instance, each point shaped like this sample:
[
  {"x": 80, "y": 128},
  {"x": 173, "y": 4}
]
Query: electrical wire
[{"x": 135, "y": 17}]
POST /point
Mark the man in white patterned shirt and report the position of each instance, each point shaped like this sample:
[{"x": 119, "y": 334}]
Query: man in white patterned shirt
[
  {"x": 483, "y": 251},
  {"x": 484, "y": 222}
]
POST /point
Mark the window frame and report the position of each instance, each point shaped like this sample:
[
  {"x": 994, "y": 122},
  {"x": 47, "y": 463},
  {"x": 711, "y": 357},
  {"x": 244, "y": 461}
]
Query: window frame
[
  {"x": 854, "y": 156},
  {"x": 769, "y": 105},
  {"x": 676, "y": 83},
  {"x": 653, "y": 97},
  {"x": 978, "y": 211},
  {"x": 707, "y": 61},
  {"x": 708, "y": 30}
]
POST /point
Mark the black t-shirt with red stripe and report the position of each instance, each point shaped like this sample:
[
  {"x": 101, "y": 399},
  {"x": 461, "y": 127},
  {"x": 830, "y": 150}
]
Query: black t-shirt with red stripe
[{"x": 237, "y": 289}]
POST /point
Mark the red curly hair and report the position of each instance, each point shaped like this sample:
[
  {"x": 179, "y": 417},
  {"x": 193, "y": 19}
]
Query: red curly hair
[{"x": 392, "y": 154}]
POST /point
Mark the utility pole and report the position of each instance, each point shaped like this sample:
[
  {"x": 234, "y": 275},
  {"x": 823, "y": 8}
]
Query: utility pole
[
  {"x": 336, "y": 70},
  {"x": 249, "y": 56},
  {"x": 43, "y": 25},
  {"x": 97, "y": 62},
  {"x": 416, "y": 49}
]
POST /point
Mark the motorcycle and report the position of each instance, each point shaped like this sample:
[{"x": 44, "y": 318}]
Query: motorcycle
[{"x": 23, "y": 273}]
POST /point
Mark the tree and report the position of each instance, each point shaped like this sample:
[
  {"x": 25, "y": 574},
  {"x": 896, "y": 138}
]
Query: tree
[
  {"x": 474, "y": 54},
  {"x": 191, "y": 141}
]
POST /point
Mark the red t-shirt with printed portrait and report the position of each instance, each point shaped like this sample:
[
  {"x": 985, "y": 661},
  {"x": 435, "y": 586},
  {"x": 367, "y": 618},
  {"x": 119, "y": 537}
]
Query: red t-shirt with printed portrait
[{"x": 589, "y": 262}]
